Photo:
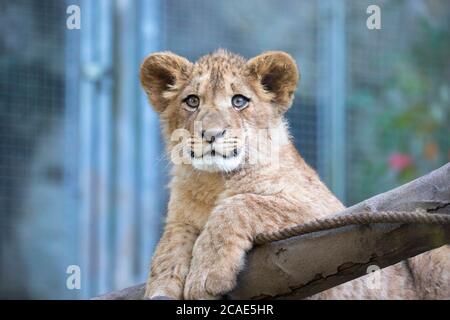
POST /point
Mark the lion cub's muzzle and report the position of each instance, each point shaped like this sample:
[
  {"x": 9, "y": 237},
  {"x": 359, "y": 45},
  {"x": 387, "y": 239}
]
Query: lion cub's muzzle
[
  {"x": 217, "y": 149},
  {"x": 216, "y": 143}
]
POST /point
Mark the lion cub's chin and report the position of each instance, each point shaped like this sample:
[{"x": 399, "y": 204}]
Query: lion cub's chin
[{"x": 218, "y": 163}]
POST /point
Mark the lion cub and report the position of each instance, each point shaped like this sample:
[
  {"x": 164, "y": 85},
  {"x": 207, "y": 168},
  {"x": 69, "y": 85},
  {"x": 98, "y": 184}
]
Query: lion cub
[{"x": 235, "y": 171}]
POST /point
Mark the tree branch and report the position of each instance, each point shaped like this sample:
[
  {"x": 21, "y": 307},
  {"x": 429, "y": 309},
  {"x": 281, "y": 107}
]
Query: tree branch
[{"x": 304, "y": 265}]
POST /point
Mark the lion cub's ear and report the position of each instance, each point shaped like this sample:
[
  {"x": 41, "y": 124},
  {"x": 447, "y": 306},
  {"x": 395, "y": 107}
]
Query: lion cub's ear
[
  {"x": 277, "y": 73},
  {"x": 161, "y": 73}
]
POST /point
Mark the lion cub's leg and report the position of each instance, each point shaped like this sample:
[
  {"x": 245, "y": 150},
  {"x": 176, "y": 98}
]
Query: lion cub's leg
[
  {"x": 219, "y": 252},
  {"x": 170, "y": 264}
]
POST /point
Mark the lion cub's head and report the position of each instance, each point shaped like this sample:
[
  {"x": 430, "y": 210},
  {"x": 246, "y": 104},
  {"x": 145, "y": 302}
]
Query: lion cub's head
[{"x": 223, "y": 108}]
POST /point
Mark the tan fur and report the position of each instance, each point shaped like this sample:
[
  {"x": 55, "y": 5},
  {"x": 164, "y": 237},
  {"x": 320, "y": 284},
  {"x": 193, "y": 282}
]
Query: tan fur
[{"x": 213, "y": 216}]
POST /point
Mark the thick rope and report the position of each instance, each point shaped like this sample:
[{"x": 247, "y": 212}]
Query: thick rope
[{"x": 361, "y": 218}]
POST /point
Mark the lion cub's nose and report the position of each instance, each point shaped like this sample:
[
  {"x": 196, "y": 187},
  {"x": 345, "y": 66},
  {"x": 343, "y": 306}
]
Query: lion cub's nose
[{"x": 212, "y": 135}]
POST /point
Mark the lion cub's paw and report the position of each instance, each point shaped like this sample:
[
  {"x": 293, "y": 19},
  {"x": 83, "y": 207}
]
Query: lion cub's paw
[
  {"x": 154, "y": 292},
  {"x": 218, "y": 284},
  {"x": 195, "y": 287},
  {"x": 208, "y": 285}
]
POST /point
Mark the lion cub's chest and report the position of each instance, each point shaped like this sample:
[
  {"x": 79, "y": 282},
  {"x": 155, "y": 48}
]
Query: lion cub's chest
[{"x": 194, "y": 197}]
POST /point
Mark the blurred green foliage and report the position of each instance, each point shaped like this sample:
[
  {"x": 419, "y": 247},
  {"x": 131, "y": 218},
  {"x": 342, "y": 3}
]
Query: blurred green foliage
[{"x": 403, "y": 122}]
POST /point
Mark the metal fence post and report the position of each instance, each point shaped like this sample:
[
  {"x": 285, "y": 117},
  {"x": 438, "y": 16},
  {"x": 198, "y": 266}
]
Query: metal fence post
[{"x": 331, "y": 94}]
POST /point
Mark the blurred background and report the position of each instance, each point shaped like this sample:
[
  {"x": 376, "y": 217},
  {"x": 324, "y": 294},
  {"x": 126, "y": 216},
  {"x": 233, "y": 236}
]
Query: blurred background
[{"x": 81, "y": 165}]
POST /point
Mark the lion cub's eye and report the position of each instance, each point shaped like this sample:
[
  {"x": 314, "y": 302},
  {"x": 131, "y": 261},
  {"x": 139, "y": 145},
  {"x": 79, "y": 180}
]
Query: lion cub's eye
[
  {"x": 239, "y": 101},
  {"x": 192, "y": 101}
]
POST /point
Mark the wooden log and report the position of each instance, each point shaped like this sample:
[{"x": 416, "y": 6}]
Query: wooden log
[{"x": 304, "y": 265}]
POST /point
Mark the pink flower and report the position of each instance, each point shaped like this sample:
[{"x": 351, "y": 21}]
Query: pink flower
[{"x": 399, "y": 161}]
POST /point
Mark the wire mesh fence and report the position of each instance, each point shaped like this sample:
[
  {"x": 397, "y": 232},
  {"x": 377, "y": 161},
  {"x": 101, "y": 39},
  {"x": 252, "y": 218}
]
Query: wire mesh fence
[
  {"x": 397, "y": 100},
  {"x": 35, "y": 234}
]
